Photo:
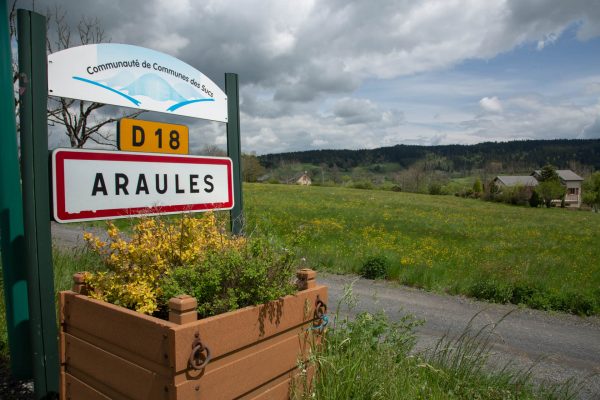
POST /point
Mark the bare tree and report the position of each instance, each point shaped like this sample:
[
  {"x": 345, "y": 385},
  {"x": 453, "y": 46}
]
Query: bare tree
[
  {"x": 80, "y": 119},
  {"x": 77, "y": 116},
  {"x": 212, "y": 150},
  {"x": 12, "y": 23}
]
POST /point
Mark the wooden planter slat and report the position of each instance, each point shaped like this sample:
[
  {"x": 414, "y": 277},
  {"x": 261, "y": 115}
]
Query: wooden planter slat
[
  {"x": 125, "y": 377},
  {"x": 117, "y": 325},
  {"x": 75, "y": 389},
  {"x": 248, "y": 372},
  {"x": 277, "y": 389},
  {"x": 237, "y": 329},
  {"x": 151, "y": 365},
  {"x": 108, "y": 352},
  {"x": 232, "y": 358}
]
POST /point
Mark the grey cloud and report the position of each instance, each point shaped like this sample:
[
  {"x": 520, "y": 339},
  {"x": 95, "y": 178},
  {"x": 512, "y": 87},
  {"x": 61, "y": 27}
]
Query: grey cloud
[
  {"x": 306, "y": 54},
  {"x": 295, "y": 93},
  {"x": 352, "y": 111},
  {"x": 591, "y": 131},
  {"x": 335, "y": 45},
  {"x": 315, "y": 79},
  {"x": 438, "y": 139},
  {"x": 257, "y": 107},
  {"x": 356, "y": 111},
  {"x": 539, "y": 18}
]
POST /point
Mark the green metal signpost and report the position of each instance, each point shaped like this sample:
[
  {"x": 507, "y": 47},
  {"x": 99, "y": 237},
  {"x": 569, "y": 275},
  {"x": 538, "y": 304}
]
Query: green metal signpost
[
  {"x": 36, "y": 200},
  {"x": 234, "y": 149},
  {"x": 11, "y": 216}
]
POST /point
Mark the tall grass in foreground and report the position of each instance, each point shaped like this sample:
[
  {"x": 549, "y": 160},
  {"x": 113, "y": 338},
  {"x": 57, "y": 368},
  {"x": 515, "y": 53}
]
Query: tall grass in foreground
[
  {"x": 66, "y": 263},
  {"x": 372, "y": 358}
]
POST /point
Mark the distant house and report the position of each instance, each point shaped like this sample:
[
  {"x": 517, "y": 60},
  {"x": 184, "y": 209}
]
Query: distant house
[
  {"x": 515, "y": 180},
  {"x": 571, "y": 181},
  {"x": 568, "y": 178},
  {"x": 304, "y": 179}
]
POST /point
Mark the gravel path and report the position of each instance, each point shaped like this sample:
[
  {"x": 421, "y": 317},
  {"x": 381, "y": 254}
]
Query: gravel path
[{"x": 558, "y": 346}]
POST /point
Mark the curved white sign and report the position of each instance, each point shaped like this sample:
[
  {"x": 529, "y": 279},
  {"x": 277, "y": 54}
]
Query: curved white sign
[{"x": 136, "y": 77}]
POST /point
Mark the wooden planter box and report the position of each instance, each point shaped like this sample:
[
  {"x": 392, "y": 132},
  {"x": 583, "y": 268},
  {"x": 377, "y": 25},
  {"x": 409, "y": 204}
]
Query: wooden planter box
[{"x": 109, "y": 352}]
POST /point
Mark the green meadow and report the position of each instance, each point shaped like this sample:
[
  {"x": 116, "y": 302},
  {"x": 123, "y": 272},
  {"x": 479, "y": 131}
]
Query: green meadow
[{"x": 543, "y": 258}]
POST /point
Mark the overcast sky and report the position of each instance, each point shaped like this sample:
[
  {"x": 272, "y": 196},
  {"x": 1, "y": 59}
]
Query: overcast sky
[{"x": 364, "y": 74}]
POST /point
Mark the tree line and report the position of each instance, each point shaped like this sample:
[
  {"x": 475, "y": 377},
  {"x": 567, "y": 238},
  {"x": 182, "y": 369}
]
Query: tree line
[{"x": 507, "y": 157}]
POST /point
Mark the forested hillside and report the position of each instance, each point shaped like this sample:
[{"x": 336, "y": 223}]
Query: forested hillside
[{"x": 501, "y": 157}]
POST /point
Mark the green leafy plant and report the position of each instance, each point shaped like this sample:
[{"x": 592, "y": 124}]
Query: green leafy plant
[
  {"x": 534, "y": 200},
  {"x": 162, "y": 258},
  {"x": 551, "y": 190},
  {"x": 591, "y": 191},
  {"x": 363, "y": 184},
  {"x": 375, "y": 267},
  {"x": 477, "y": 187},
  {"x": 536, "y": 296},
  {"x": 550, "y": 187},
  {"x": 233, "y": 278},
  {"x": 435, "y": 188}
]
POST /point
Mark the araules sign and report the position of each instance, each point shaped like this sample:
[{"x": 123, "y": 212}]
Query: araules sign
[
  {"x": 97, "y": 184},
  {"x": 136, "y": 77}
]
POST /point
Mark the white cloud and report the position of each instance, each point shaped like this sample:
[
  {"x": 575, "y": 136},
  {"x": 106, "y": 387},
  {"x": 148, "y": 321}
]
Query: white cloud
[
  {"x": 536, "y": 117},
  {"x": 547, "y": 40},
  {"x": 491, "y": 104},
  {"x": 592, "y": 88},
  {"x": 171, "y": 43}
]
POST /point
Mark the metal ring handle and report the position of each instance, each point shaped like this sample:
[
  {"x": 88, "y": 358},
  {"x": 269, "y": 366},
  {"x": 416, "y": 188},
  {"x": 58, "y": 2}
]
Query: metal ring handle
[
  {"x": 320, "y": 309},
  {"x": 196, "y": 352},
  {"x": 321, "y": 320}
]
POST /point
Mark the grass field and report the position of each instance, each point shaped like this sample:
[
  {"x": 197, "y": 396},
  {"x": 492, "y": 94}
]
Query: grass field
[{"x": 545, "y": 258}]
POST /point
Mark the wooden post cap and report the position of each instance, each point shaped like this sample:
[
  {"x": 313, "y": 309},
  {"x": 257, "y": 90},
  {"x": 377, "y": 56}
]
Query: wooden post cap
[
  {"x": 307, "y": 279},
  {"x": 182, "y": 309},
  {"x": 183, "y": 303},
  {"x": 79, "y": 285},
  {"x": 78, "y": 277},
  {"x": 306, "y": 274}
]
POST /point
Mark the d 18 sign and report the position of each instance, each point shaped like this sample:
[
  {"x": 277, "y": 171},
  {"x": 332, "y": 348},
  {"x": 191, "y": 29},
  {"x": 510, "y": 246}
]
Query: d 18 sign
[
  {"x": 152, "y": 137},
  {"x": 95, "y": 184}
]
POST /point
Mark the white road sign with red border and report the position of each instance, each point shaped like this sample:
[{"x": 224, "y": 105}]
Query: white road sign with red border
[{"x": 97, "y": 184}]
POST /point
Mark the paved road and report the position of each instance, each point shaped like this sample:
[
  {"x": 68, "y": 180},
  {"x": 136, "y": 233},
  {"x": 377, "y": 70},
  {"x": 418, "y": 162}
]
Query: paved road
[{"x": 561, "y": 346}]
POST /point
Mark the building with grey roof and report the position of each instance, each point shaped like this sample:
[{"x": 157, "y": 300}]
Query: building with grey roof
[
  {"x": 568, "y": 178},
  {"x": 515, "y": 180}
]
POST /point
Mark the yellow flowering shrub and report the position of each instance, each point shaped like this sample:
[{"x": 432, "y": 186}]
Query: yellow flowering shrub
[{"x": 136, "y": 262}]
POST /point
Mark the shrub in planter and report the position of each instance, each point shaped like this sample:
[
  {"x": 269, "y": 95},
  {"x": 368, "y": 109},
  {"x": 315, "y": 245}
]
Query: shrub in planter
[
  {"x": 119, "y": 351},
  {"x": 140, "y": 264},
  {"x": 232, "y": 278}
]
